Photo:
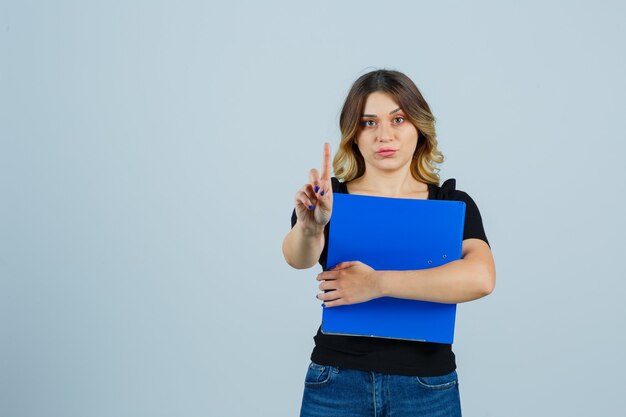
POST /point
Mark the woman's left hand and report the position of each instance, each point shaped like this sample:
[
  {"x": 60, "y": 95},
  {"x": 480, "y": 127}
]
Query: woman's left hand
[{"x": 352, "y": 282}]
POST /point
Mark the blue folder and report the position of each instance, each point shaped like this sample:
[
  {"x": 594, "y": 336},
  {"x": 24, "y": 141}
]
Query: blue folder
[{"x": 394, "y": 234}]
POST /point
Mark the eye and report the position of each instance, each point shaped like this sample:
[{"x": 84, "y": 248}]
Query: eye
[
  {"x": 368, "y": 123},
  {"x": 398, "y": 120}
]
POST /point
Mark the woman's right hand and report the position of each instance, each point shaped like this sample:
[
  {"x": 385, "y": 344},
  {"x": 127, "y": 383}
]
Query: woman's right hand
[{"x": 314, "y": 201}]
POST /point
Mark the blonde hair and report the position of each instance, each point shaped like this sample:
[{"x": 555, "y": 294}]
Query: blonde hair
[{"x": 349, "y": 163}]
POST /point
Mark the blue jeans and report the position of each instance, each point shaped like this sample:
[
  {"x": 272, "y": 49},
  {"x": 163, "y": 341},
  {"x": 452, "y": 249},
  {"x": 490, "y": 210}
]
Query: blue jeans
[{"x": 340, "y": 392}]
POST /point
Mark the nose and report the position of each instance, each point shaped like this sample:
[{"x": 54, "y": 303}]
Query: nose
[{"x": 385, "y": 132}]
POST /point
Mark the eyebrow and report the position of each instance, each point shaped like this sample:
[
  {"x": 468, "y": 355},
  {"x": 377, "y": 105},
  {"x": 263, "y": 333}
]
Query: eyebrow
[{"x": 373, "y": 115}]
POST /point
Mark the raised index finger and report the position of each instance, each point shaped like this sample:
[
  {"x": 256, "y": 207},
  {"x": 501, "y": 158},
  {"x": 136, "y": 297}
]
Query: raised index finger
[{"x": 326, "y": 163}]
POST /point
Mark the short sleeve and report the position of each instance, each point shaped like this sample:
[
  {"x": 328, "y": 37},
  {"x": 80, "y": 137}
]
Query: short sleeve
[
  {"x": 294, "y": 218},
  {"x": 473, "y": 221}
]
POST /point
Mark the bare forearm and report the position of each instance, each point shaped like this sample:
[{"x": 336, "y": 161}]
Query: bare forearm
[
  {"x": 455, "y": 282},
  {"x": 302, "y": 246}
]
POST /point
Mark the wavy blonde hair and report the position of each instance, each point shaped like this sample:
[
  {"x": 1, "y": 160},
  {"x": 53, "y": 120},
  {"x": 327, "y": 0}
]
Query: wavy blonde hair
[{"x": 349, "y": 163}]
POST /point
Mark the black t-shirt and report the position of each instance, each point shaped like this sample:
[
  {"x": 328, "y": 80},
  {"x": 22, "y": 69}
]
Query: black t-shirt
[{"x": 392, "y": 356}]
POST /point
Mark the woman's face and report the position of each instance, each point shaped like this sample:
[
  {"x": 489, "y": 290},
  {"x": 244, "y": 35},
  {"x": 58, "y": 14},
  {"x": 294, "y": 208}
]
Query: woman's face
[{"x": 387, "y": 139}]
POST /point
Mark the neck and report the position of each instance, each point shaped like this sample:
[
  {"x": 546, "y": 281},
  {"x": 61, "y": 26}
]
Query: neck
[{"x": 391, "y": 184}]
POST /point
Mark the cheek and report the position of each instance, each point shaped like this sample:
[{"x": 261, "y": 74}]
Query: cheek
[
  {"x": 412, "y": 142},
  {"x": 412, "y": 136},
  {"x": 366, "y": 136}
]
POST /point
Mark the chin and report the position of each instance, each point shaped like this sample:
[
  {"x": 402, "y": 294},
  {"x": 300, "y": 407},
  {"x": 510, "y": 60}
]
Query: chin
[{"x": 392, "y": 163}]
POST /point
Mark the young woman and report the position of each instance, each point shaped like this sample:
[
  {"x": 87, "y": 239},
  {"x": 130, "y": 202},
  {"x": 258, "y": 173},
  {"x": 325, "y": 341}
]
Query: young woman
[{"x": 388, "y": 148}]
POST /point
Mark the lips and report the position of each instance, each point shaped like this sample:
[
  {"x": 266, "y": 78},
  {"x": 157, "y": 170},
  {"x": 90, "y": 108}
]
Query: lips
[{"x": 386, "y": 152}]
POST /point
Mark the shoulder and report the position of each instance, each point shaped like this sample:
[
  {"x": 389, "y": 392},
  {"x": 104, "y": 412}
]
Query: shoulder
[
  {"x": 338, "y": 186},
  {"x": 448, "y": 191},
  {"x": 473, "y": 228}
]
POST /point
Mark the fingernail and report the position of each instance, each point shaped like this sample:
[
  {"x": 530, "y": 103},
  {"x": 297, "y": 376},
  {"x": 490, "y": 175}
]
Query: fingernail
[
  {"x": 323, "y": 304},
  {"x": 322, "y": 192},
  {"x": 317, "y": 188},
  {"x": 311, "y": 207}
]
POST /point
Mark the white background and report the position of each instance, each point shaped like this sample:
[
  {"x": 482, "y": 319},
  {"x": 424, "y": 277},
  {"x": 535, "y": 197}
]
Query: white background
[{"x": 150, "y": 152}]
